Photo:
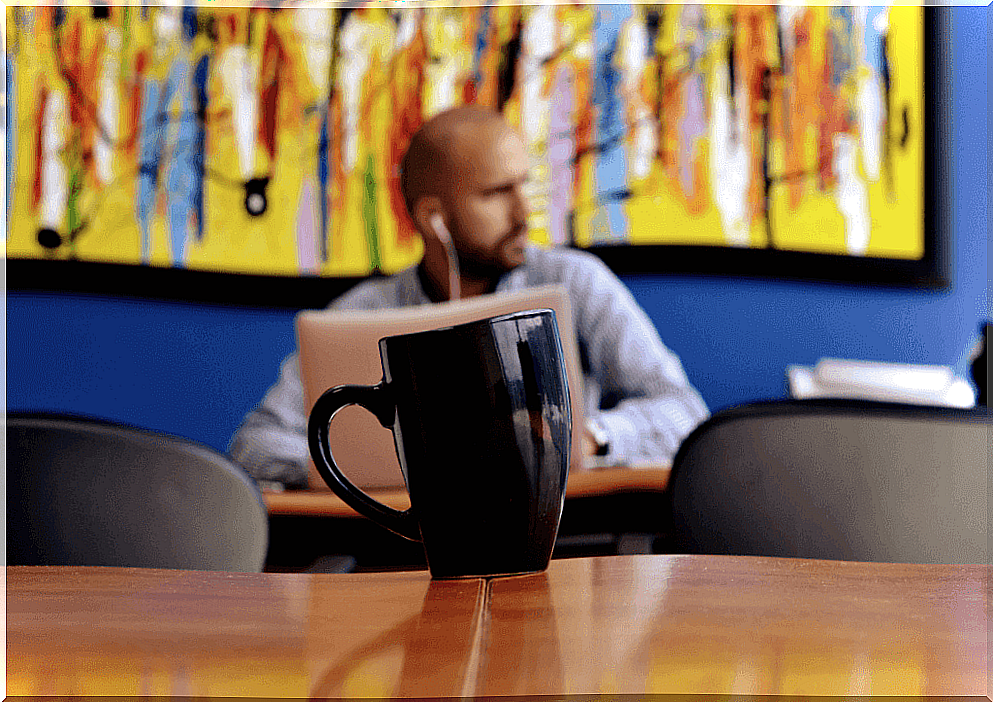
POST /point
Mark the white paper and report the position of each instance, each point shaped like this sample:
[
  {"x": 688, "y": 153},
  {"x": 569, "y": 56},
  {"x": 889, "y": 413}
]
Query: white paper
[{"x": 882, "y": 382}]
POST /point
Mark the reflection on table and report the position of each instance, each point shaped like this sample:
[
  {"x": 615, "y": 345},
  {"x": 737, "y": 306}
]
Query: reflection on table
[
  {"x": 734, "y": 625},
  {"x": 105, "y": 631},
  {"x": 618, "y": 625}
]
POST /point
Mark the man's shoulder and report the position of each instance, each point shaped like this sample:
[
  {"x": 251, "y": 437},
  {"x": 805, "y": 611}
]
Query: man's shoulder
[
  {"x": 592, "y": 286},
  {"x": 560, "y": 264},
  {"x": 381, "y": 292},
  {"x": 561, "y": 256}
]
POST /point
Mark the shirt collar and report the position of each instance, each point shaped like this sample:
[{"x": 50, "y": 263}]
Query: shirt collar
[{"x": 411, "y": 290}]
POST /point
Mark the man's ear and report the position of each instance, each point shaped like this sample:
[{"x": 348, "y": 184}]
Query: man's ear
[{"x": 425, "y": 211}]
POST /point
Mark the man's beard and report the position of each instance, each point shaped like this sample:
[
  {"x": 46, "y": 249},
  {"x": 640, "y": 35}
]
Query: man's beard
[
  {"x": 472, "y": 265},
  {"x": 480, "y": 269}
]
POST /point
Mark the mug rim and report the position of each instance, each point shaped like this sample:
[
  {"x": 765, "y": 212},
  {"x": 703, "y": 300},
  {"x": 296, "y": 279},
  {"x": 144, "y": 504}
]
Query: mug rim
[{"x": 521, "y": 314}]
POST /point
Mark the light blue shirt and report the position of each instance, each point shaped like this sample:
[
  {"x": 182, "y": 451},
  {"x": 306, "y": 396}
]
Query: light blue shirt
[{"x": 633, "y": 384}]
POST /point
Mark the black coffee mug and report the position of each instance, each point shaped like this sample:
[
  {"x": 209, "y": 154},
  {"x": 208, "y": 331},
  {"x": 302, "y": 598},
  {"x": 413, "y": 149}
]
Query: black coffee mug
[{"x": 482, "y": 424}]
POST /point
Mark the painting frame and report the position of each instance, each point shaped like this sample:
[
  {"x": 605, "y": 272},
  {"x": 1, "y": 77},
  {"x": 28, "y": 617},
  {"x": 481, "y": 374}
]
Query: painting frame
[{"x": 931, "y": 271}]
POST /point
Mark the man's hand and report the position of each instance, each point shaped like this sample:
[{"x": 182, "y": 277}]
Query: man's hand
[
  {"x": 596, "y": 441},
  {"x": 589, "y": 443}
]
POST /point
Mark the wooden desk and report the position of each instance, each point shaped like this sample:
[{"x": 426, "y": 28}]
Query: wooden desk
[
  {"x": 736, "y": 625},
  {"x": 619, "y": 625},
  {"x": 583, "y": 483},
  {"x": 107, "y": 631}
]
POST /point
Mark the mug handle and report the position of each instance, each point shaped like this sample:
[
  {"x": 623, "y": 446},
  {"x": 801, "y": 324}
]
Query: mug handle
[{"x": 375, "y": 399}]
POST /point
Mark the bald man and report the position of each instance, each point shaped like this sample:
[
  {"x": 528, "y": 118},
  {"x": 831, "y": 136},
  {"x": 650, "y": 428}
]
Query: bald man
[{"x": 463, "y": 181}]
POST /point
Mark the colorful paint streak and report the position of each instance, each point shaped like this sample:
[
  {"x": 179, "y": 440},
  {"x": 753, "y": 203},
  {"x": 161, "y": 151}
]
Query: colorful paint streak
[
  {"x": 10, "y": 136},
  {"x": 268, "y": 140},
  {"x": 612, "y": 226}
]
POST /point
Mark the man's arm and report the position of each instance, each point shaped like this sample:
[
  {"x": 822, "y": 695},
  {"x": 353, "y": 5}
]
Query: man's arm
[
  {"x": 271, "y": 443},
  {"x": 656, "y": 405}
]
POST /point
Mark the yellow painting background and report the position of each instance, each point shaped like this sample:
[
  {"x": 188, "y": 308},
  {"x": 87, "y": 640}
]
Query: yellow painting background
[{"x": 238, "y": 242}]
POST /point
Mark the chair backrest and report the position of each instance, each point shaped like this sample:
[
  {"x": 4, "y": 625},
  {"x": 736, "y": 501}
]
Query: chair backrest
[
  {"x": 342, "y": 348},
  {"x": 82, "y": 491},
  {"x": 837, "y": 480}
]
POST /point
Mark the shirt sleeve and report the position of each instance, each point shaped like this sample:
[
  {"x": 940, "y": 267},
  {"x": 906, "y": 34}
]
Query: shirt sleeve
[
  {"x": 656, "y": 406},
  {"x": 271, "y": 443}
]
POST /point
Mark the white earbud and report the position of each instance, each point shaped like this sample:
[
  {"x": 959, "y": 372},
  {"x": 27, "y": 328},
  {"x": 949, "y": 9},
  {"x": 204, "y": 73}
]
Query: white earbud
[
  {"x": 440, "y": 230},
  {"x": 454, "y": 280}
]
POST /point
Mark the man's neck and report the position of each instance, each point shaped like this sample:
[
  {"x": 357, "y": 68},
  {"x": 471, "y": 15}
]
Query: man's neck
[{"x": 471, "y": 286}]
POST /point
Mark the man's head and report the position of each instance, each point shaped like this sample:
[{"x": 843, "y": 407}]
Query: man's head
[{"x": 468, "y": 167}]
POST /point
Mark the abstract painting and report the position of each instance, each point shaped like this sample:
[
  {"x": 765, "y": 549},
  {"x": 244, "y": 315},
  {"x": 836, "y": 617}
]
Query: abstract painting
[{"x": 267, "y": 139}]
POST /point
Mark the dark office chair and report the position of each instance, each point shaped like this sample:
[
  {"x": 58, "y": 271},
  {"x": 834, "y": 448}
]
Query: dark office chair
[
  {"x": 838, "y": 480},
  {"x": 89, "y": 492}
]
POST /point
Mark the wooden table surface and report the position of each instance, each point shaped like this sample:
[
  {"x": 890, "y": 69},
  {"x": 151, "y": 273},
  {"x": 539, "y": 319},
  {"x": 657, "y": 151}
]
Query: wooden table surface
[
  {"x": 627, "y": 624},
  {"x": 582, "y": 483}
]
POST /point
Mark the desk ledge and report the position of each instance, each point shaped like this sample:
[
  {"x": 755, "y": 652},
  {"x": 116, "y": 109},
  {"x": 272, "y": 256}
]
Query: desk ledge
[{"x": 582, "y": 483}]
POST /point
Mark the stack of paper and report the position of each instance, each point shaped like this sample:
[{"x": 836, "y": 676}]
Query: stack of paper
[{"x": 884, "y": 382}]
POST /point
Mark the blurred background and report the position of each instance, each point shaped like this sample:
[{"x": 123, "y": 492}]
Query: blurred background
[{"x": 194, "y": 369}]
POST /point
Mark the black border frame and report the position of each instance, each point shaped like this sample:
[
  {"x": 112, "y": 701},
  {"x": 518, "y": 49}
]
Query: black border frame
[{"x": 932, "y": 272}]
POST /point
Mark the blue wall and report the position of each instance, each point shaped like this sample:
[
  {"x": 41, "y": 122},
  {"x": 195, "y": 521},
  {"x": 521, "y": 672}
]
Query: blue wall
[{"x": 194, "y": 370}]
